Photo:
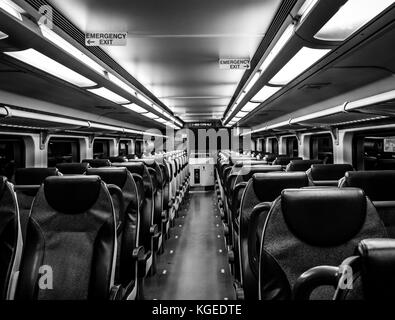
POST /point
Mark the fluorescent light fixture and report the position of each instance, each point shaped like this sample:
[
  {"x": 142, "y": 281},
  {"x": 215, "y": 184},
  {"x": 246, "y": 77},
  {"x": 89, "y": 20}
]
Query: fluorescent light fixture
[
  {"x": 150, "y": 115},
  {"x": 123, "y": 85},
  {"x": 160, "y": 120},
  {"x": 46, "y": 64},
  {"x": 306, "y": 8},
  {"x": 158, "y": 109},
  {"x": 303, "y": 60},
  {"x": 144, "y": 99},
  {"x": 282, "y": 41},
  {"x": 253, "y": 80},
  {"x": 250, "y": 106},
  {"x": 134, "y": 107},
  {"x": 105, "y": 127},
  {"x": 352, "y": 16},
  {"x": 318, "y": 114},
  {"x": 241, "y": 114},
  {"x": 70, "y": 49},
  {"x": 109, "y": 95},
  {"x": 3, "y": 35},
  {"x": 12, "y": 9},
  {"x": 265, "y": 93}
]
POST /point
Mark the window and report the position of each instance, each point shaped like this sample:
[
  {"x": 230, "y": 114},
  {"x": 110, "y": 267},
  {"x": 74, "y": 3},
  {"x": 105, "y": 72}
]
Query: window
[
  {"x": 321, "y": 148},
  {"x": 101, "y": 149},
  {"x": 292, "y": 146},
  {"x": 273, "y": 145},
  {"x": 123, "y": 148},
  {"x": 63, "y": 150},
  {"x": 12, "y": 155},
  {"x": 139, "y": 148},
  {"x": 374, "y": 151}
]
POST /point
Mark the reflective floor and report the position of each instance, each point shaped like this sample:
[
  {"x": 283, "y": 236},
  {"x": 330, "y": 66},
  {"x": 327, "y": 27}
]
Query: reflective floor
[{"x": 194, "y": 265}]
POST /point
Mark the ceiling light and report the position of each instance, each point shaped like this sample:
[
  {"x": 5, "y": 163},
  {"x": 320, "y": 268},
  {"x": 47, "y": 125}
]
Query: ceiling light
[
  {"x": 161, "y": 120},
  {"x": 241, "y": 114},
  {"x": 265, "y": 93},
  {"x": 352, "y": 16},
  {"x": 254, "y": 79},
  {"x": 250, "y": 106},
  {"x": 109, "y": 95},
  {"x": 70, "y": 49},
  {"x": 150, "y": 115},
  {"x": 144, "y": 99},
  {"x": 3, "y": 35},
  {"x": 134, "y": 107},
  {"x": 129, "y": 89},
  {"x": 303, "y": 60},
  {"x": 285, "y": 37},
  {"x": 306, "y": 8},
  {"x": 12, "y": 9},
  {"x": 46, "y": 64}
]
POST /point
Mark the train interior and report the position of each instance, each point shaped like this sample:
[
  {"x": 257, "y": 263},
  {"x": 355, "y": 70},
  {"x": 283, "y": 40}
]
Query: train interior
[{"x": 197, "y": 150}]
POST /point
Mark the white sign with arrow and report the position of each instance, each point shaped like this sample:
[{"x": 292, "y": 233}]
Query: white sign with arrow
[
  {"x": 96, "y": 39},
  {"x": 235, "y": 64}
]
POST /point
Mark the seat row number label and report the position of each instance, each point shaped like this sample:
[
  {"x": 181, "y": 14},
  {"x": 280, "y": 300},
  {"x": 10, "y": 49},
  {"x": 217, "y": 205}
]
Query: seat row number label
[{"x": 99, "y": 39}]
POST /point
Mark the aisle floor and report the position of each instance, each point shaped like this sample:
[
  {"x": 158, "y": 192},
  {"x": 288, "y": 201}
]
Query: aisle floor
[{"x": 194, "y": 265}]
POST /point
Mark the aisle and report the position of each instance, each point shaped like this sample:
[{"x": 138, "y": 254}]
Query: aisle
[{"x": 194, "y": 265}]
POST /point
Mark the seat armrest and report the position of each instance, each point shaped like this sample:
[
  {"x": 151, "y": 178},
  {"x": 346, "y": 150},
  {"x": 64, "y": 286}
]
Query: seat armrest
[
  {"x": 314, "y": 278},
  {"x": 138, "y": 253},
  {"x": 142, "y": 264},
  {"x": 116, "y": 192},
  {"x": 116, "y": 293},
  {"x": 153, "y": 230}
]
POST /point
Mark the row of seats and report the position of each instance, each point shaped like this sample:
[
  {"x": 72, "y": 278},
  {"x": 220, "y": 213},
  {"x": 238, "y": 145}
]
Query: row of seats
[
  {"x": 284, "y": 227},
  {"x": 88, "y": 231}
]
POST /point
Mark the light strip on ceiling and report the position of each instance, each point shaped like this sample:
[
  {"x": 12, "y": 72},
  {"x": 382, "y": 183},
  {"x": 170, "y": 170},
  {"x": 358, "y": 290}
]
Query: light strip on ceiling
[
  {"x": 303, "y": 60},
  {"x": 352, "y": 16},
  {"x": 12, "y": 9},
  {"x": 3, "y": 35},
  {"x": 265, "y": 93},
  {"x": 70, "y": 49},
  {"x": 46, "y": 64},
  {"x": 150, "y": 115},
  {"x": 134, "y": 107},
  {"x": 109, "y": 95},
  {"x": 306, "y": 8}
]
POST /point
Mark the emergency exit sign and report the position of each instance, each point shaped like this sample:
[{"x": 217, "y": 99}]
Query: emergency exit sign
[
  {"x": 235, "y": 64},
  {"x": 99, "y": 39}
]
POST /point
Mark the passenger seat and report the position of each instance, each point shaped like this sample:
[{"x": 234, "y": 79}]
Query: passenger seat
[
  {"x": 328, "y": 174},
  {"x": 379, "y": 186},
  {"x": 72, "y": 168},
  {"x": 70, "y": 248}
]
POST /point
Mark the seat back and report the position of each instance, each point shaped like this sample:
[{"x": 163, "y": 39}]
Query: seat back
[
  {"x": 379, "y": 186},
  {"x": 328, "y": 174},
  {"x": 118, "y": 159},
  {"x": 261, "y": 190},
  {"x": 144, "y": 186},
  {"x": 72, "y": 168},
  {"x": 97, "y": 163},
  {"x": 70, "y": 248},
  {"x": 10, "y": 237},
  {"x": 284, "y": 161},
  {"x": 372, "y": 270},
  {"x": 129, "y": 219},
  {"x": 27, "y": 184},
  {"x": 301, "y": 165},
  {"x": 306, "y": 228}
]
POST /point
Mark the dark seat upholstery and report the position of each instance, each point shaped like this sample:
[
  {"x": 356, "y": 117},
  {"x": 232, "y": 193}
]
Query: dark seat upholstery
[
  {"x": 328, "y": 174},
  {"x": 10, "y": 237},
  {"x": 301, "y": 165},
  {"x": 118, "y": 159},
  {"x": 306, "y": 228},
  {"x": 284, "y": 161},
  {"x": 27, "y": 184},
  {"x": 261, "y": 190},
  {"x": 368, "y": 275},
  {"x": 72, "y": 168},
  {"x": 70, "y": 248},
  {"x": 126, "y": 273},
  {"x": 379, "y": 186},
  {"x": 97, "y": 163},
  {"x": 148, "y": 232}
]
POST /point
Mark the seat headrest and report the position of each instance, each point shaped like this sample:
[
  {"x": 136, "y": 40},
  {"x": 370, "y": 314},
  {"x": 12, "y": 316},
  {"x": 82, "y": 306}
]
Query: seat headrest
[
  {"x": 250, "y": 170},
  {"x": 302, "y": 165},
  {"x": 72, "y": 168},
  {"x": 97, "y": 163},
  {"x": 134, "y": 167},
  {"x": 329, "y": 172},
  {"x": 268, "y": 186},
  {"x": 111, "y": 175},
  {"x": 118, "y": 159},
  {"x": 378, "y": 185},
  {"x": 3, "y": 184},
  {"x": 324, "y": 217},
  {"x": 240, "y": 164},
  {"x": 72, "y": 194},
  {"x": 284, "y": 160},
  {"x": 377, "y": 268},
  {"x": 34, "y": 176}
]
